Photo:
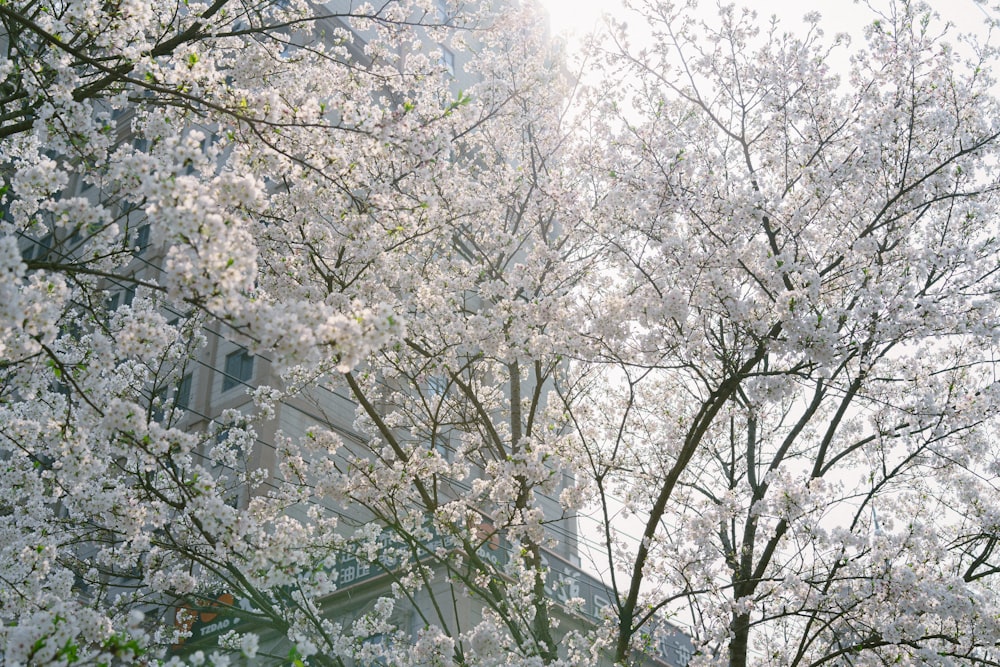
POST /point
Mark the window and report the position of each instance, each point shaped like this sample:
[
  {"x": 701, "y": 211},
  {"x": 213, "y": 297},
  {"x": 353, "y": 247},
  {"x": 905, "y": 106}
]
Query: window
[
  {"x": 141, "y": 239},
  {"x": 448, "y": 60},
  {"x": 157, "y": 402},
  {"x": 183, "y": 396},
  {"x": 123, "y": 298},
  {"x": 437, "y": 385},
  {"x": 443, "y": 12},
  {"x": 238, "y": 370},
  {"x": 38, "y": 249},
  {"x": 439, "y": 442},
  {"x": 372, "y": 647}
]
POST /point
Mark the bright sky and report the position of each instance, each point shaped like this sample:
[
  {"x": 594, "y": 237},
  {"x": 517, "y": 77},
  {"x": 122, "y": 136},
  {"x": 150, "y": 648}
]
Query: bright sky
[{"x": 579, "y": 16}]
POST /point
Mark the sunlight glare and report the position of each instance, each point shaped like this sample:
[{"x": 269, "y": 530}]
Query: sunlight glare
[{"x": 575, "y": 18}]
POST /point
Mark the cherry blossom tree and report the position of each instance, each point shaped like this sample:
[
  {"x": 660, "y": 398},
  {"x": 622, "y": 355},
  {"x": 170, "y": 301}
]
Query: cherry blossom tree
[
  {"x": 791, "y": 380},
  {"x": 739, "y": 310},
  {"x": 313, "y": 184}
]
